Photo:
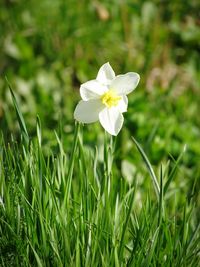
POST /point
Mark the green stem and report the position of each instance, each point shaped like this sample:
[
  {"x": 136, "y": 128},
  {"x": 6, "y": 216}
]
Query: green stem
[{"x": 108, "y": 158}]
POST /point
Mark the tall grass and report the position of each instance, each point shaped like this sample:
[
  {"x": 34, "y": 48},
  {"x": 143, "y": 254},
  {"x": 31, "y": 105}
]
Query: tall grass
[{"x": 78, "y": 210}]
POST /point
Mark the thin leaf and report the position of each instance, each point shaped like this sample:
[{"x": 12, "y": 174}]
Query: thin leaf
[
  {"x": 149, "y": 256},
  {"x": 173, "y": 172},
  {"x": 126, "y": 222},
  {"x": 19, "y": 115},
  {"x": 149, "y": 167}
]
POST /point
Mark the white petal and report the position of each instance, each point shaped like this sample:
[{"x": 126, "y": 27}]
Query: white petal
[
  {"x": 123, "y": 104},
  {"x": 106, "y": 74},
  {"x": 126, "y": 83},
  {"x": 92, "y": 90},
  {"x": 111, "y": 119},
  {"x": 88, "y": 111}
]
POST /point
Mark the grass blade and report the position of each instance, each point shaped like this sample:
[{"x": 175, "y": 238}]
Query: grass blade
[
  {"x": 149, "y": 167},
  {"x": 161, "y": 208},
  {"x": 19, "y": 115},
  {"x": 150, "y": 254},
  {"x": 173, "y": 172},
  {"x": 126, "y": 222}
]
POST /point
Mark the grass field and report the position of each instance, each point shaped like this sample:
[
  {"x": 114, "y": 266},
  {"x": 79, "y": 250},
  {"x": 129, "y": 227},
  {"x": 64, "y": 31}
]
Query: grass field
[{"x": 71, "y": 194}]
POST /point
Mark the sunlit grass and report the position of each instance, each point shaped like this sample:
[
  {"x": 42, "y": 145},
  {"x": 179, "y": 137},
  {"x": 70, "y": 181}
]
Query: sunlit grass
[{"x": 77, "y": 210}]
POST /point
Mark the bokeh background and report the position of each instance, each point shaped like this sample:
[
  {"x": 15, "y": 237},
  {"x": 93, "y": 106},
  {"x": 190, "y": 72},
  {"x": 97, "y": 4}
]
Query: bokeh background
[{"x": 48, "y": 48}]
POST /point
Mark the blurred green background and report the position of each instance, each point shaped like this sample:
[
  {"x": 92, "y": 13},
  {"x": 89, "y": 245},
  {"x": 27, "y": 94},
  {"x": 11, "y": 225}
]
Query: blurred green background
[{"x": 48, "y": 48}]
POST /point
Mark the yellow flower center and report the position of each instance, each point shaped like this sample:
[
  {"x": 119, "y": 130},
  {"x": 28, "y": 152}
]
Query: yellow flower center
[{"x": 110, "y": 98}]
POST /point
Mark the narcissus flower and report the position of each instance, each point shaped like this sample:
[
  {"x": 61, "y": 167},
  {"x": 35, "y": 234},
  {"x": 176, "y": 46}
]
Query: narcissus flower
[{"x": 105, "y": 98}]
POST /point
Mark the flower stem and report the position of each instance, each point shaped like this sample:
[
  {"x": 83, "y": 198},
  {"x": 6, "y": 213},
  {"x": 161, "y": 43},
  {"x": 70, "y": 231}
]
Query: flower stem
[{"x": 108, "y": 159}]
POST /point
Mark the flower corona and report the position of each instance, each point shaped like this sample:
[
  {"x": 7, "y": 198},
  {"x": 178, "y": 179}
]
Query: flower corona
[{"x": 110, "y": 98}]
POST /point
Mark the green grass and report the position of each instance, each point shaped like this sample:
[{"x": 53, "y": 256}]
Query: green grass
[
  {"x": 71, "y": 195},
  {"x": 79, "y": 210}
]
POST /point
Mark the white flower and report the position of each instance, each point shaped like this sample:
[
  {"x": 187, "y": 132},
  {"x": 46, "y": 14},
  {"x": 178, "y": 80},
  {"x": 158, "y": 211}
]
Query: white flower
[{"x": 105, "y": 99}]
